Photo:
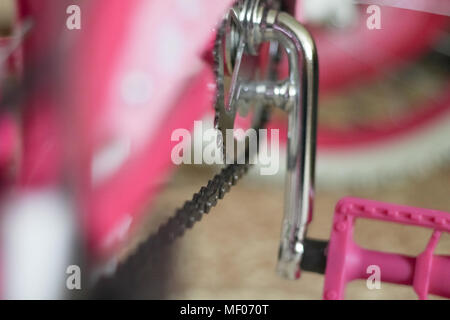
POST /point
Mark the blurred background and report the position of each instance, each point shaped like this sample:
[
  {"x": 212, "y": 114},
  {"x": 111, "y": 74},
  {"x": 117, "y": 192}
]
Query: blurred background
[{"x": 384, "y": 134}]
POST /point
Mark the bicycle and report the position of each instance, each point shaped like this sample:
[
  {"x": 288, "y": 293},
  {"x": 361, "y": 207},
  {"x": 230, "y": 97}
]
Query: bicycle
[{"x": 85, "y": 129}]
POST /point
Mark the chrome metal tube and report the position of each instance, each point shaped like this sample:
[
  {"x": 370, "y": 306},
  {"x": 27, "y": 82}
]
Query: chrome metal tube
[
  {"x": 301, "y": 145},
  {"x": 257, "y": 21}
]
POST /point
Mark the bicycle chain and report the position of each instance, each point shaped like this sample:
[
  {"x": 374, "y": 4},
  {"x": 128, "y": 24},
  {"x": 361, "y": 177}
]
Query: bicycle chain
[
  {"x": 146, "y": 254},
  {"x": 193, "y": 210}
]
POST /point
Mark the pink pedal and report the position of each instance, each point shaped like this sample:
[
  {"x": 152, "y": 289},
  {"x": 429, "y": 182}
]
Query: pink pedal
[{"x": 426, "y": 273}]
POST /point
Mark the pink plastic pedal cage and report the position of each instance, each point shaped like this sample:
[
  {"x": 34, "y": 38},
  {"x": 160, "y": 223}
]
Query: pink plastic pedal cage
[
  {"x": 132, "y": 74},
  {"x": 427, "y": 273}
]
